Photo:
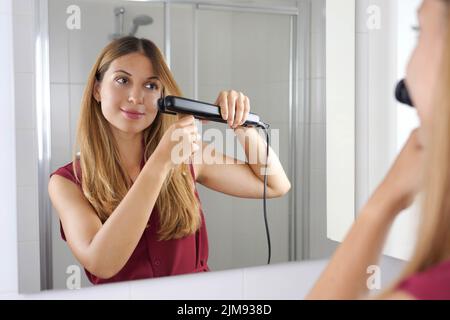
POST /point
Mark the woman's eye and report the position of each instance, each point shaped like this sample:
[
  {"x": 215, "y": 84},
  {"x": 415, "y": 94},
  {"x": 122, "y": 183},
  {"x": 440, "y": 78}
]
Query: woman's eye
[
  {"x": 121, "y": 80},
  {"x": 151, "y": 86}
]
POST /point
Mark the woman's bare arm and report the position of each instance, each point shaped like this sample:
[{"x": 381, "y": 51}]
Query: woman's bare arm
[{"x": 104, "y": 249}]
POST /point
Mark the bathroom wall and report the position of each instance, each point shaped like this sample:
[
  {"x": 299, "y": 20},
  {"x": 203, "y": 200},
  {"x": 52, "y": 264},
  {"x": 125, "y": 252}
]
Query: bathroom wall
[
  {"x": 319, "y": 245},
  {"x": 27, "y": 205},
  {"x": 8, "y": 191},
  {"x": 385, "y": 41}
]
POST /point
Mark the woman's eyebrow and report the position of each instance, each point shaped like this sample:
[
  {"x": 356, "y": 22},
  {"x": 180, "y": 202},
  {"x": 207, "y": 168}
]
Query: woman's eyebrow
[{"x": 149, "y": 78}]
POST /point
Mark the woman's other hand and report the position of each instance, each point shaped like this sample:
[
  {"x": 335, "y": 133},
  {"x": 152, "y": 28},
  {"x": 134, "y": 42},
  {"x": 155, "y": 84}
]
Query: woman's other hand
[{"x": 234, "y": 107}]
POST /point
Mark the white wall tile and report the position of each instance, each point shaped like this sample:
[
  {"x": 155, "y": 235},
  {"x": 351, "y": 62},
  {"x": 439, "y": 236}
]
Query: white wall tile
[
  {"x": 60, "y": 157},
  {"x": 302, "y": 108},
  {"x": 257, "y": 39},
  {"x": 362, "y": 116},
  {"x": 5, "y": 7},
  {"x": 25, "y": 101},
  {"x": 29, "y": 266},
  {"x": 76, "y": 95},
  {"x": 224, "y": 285},
  {"x": 8, "y": 226},
  {"x": 58, "y": 42},
  {"x": 318, "y": 147},
  {"x": 214, "y": 52},
  {"x": 182, "y": 51},
  {"x": 249, "y": 233},
  {"x": 320, "y": 246},
  {"x": 63, "y": 258},
  {"x": 277, "y": 42},
  {"x": 27, "y": 214},
  {"x": 219, "y": 226},
  {"x": 280, "y": 147},
  {"x": 23, "y": 26},
  {"x": 26, "y": 153},
  {"x": 318, "y": 103},
  {"x": 318, "y": 55},
  {"x": 318, "y": 16},
  {"x": 23, "y": 7},
  {"x": 60, "y": 119},
  {"x": 209, "y": 93},
  {"x": 275, "y": 106},
  {"x": 362, "y": 16},
  {"x": 86, "y": 43}
]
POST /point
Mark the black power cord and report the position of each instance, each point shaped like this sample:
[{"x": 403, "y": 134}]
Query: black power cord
[{"x": 265, "y": 127}]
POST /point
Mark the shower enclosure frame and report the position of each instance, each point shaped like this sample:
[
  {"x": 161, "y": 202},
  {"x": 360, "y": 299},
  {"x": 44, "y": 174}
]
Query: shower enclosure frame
[{"x": 298, "y": 109}]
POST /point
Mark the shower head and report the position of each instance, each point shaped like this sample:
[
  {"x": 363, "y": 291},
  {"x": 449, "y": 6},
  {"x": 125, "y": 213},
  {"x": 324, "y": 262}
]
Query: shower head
[{"x": 140, "y": 20}]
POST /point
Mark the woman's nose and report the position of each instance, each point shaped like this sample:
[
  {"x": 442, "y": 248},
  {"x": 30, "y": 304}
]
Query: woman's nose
[{"x": 136, "y": 96}]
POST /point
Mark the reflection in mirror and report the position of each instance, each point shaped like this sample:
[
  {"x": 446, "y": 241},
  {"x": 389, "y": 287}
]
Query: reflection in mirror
[{"x": 258, "y": 50}]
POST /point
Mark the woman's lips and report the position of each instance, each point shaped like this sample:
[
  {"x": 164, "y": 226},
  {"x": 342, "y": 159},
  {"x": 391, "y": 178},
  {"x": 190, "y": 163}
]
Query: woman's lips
[{"x": 132, "y": 114}]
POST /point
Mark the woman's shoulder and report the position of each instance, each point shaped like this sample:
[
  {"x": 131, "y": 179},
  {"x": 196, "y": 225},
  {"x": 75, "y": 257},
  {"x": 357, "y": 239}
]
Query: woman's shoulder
[
  {"x": 68, "y": 171},
  {"x": 431, "y": 284}
]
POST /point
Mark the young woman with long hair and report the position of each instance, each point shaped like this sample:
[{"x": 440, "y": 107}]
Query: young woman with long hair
[{"x": 128, "y": 209}]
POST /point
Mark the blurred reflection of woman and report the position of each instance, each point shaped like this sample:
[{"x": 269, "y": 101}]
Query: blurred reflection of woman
[
  {"x": 423, "y": 164},
  {"x": 127, "y": 209}
]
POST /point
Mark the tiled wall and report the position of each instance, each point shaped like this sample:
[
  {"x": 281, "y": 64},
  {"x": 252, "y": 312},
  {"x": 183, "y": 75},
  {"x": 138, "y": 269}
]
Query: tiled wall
[
  {"x": 8, "y": 191},
  {"x": 319, "y": 245},
  {"x": 26, "y": 146}
]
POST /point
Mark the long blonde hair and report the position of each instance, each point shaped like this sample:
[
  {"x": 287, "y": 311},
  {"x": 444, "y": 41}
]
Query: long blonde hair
[
  {"x": 433, "y": 243},
  {"x": 104, "y": 181}
]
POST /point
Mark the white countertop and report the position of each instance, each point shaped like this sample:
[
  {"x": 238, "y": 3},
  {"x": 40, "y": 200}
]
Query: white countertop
[
  {"x": 288, "y": 281},
  {"x": 278, "y": 281}
]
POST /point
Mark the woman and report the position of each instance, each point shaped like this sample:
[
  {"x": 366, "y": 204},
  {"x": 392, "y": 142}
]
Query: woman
[
  {"x": 424, "y": 163},
  {"x": 128, "y": 209}
]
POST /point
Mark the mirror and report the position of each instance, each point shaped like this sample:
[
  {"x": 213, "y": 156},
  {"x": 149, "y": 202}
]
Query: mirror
[{"x": 273, "y": 51}]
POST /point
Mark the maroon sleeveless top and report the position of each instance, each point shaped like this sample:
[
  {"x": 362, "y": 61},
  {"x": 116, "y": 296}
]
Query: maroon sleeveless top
[
  {"x": 154, "y": 258},
  {"x": 431, "y": 284}
]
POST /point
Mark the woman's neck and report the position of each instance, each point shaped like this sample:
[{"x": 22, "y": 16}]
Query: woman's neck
[{"x": 130, "y": 149}]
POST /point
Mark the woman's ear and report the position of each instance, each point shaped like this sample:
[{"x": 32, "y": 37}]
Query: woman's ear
[{"x": 97, "y": 91}]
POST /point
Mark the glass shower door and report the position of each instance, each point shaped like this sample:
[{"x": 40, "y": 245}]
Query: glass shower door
[{"x": 248, "y": 52}]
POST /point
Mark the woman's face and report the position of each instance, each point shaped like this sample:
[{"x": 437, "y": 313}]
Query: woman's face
[
  {"x": 425, "y": 64},
  {"x": 129, "y": 92}
]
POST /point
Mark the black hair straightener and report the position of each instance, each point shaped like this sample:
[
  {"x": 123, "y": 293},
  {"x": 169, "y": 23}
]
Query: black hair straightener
[
  {"x": 202, "y": 110},
  {"x": 206, "y": 111}
]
